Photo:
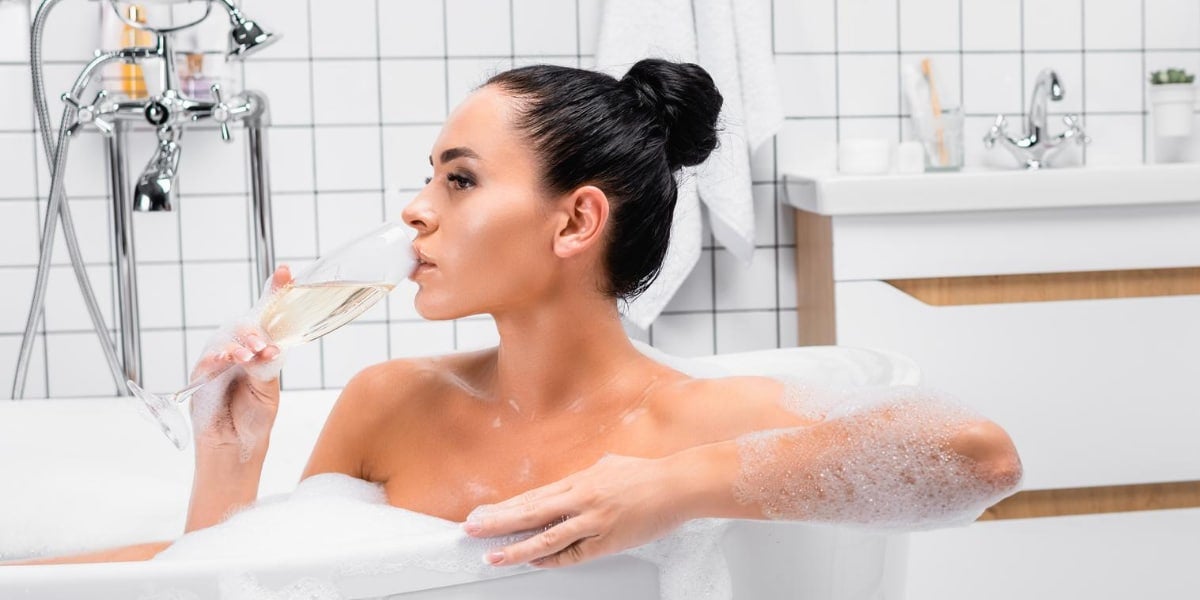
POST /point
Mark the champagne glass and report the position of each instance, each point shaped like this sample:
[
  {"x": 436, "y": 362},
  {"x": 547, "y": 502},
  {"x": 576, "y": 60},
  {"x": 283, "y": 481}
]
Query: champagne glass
[{"x": 333, "y": 291}]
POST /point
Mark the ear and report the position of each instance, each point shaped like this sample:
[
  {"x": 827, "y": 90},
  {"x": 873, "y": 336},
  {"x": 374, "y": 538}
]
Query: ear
[{"x": 585, "y": 212}]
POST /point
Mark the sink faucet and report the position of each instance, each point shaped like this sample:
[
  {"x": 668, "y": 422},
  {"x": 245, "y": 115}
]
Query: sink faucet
[{"x": 1037, "y": 147}]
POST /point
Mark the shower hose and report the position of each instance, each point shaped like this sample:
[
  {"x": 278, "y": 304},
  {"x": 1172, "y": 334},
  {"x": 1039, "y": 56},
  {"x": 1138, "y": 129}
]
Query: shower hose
[{"x": 56, "y": 155}]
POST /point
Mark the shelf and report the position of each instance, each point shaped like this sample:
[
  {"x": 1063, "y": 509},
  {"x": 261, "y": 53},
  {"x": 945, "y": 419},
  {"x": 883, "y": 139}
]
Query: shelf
[{"x": 993, "y": 189}]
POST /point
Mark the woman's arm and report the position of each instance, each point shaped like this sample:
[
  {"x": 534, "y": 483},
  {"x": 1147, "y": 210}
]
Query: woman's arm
[
  {"x": 912, "y": 461},
  {"x": 223, "y": 483},
  {"x": 124, "y": 553}
]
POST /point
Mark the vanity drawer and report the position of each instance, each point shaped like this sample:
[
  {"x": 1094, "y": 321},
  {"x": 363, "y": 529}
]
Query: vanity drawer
[
  {"x": 1094, "y": 392},
  {"x": 1104, "y": 238},
  {"x": 1114, "y": 556}
]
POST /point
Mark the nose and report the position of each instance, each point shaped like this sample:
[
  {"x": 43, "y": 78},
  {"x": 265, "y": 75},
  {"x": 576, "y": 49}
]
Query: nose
[{"x": 419, "y": 215}]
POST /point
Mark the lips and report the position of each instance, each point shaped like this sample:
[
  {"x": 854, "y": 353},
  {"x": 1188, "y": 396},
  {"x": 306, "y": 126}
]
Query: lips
[{"x": 424, "y": 263}]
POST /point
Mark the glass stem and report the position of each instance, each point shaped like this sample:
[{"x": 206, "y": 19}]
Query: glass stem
[{"x": 182, "y": 395}]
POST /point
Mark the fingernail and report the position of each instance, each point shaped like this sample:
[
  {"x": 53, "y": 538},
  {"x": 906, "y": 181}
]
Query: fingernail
[
  {"x": 472, "y": 527},
  {"x": 243, "y": 354},
  {"x": 494, "y": 558},
  {"x": 258, "y": 344}
]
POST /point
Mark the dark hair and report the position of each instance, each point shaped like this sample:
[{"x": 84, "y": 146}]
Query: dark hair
[{"x": 626, "y": 137}]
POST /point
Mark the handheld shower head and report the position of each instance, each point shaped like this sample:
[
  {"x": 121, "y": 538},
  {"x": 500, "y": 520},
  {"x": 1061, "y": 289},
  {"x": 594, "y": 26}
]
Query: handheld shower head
[
  {"x": 247, "y": 36},
  {"x": 156, "y": 185}
]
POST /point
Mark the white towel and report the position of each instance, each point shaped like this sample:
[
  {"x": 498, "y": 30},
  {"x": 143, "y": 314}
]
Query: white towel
[{"x": 731, "y": 40}]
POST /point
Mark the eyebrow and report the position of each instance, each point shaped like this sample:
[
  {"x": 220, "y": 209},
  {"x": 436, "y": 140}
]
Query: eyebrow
[{"x": 453, "y": 153}]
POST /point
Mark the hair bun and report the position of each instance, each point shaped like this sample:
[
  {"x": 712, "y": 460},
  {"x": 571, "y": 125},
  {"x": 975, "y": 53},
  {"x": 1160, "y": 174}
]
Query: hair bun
[{"x": 687, "y": 103}]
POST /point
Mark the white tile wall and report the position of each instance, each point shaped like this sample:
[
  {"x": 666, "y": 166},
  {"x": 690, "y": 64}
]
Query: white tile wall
[
  {"x": 1052, "y": 25},
  {"x": 992, "y": 25},
  {"x": 355, "y": 110},
  {"x": 1109, "y": 87},
  {"x": 929, "y": 25},
  {"x": 1106, "y": 25},
  {"x": 873, "y": 89},
  {"x": 866, "y": 26},
  {"x": 345, "y": 91}
]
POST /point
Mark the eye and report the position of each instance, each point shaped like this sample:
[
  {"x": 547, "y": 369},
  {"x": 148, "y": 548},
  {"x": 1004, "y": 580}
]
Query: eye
[{"x": 461, "y": 182}]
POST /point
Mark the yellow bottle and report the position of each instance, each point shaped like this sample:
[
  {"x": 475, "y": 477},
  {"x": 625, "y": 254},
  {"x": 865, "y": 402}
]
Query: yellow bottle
[{"x": 133, "y": 81}]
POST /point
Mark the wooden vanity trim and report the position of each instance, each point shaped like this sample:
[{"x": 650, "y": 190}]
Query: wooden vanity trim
[
  {"x": 1046, "y": 287},
  {"x": 814, "y": 280},
  {"x": 1096, "y": 500}
]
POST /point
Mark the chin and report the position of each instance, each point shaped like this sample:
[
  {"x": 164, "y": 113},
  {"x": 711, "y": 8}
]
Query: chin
[{"x": 436, "y": 309}]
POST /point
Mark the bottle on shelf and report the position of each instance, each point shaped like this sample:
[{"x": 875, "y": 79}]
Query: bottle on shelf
[{"x": 133, "y": 80}]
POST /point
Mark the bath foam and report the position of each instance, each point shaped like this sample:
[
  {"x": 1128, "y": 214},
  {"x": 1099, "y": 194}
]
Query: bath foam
[
  {"x": 346, "y": 523},
  {"x": 879, "y": 459}
]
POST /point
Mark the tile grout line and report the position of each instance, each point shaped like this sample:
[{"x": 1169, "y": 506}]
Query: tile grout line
[
  {"x": 387, "y": 305},
  {"x": 775, "y": 202},
  {"x": 446, "y": 106},
  {"x": 312, "y": 110}
]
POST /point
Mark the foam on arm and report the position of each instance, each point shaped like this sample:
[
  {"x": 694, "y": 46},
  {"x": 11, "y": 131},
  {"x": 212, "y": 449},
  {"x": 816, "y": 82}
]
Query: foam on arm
[{"x": 902, "y": 458}]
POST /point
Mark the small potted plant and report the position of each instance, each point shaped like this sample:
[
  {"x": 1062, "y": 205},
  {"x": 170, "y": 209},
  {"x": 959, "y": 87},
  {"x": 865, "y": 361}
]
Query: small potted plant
[{"x": 1173, "y": 97}]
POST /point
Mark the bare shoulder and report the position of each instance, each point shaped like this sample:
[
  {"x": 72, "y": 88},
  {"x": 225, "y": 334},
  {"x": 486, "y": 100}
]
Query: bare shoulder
[
  {"x": 378, "y": 403},
  {"x": 726, "y": 407}
]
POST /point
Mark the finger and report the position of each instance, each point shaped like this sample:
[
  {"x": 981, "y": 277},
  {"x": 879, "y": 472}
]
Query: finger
[
  {"x": 543, "y": 544},
  {"x": 270, "y": 353},
  {"x": 581, "y": 550},
  {"x": 254, "y": 341},
  {"x": 493, "y": 521},
  {"x": 561, "y": 486},
  {"x": 210, "y": 363},
  {"x": 281, "y": 277},
  {"x": 237, "y": 352}
]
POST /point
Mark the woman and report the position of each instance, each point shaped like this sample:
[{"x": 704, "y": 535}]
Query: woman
[{"x": 550, "y": 200}]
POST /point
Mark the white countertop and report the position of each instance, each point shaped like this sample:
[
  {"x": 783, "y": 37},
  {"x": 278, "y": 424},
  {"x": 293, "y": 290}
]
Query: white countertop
[{"x": 993, "y": 189}]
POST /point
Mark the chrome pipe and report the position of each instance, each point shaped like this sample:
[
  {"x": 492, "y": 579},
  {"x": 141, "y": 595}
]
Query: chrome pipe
[
  {"x": 260, "y": 199},
  {"x": 124, "y": 262},
  {"x": 260, "y": 187}
]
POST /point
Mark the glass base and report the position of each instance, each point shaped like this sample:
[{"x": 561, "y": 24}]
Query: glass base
[{"x": 163, "y": 412}]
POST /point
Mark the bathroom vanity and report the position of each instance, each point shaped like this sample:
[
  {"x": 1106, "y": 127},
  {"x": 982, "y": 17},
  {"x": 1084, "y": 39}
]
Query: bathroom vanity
[{"x": 1065, "y": 306}]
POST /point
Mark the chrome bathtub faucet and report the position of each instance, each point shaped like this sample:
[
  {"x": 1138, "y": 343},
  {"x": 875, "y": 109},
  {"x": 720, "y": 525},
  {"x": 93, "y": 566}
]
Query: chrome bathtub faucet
[{"x": 1035, "y": 149}]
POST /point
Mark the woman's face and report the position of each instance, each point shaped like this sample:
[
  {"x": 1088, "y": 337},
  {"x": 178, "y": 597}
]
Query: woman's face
[{"x": 482, "y": 221}]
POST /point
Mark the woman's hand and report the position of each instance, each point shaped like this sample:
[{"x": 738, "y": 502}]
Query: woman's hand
[
  {"x": 245, "y": 409},
  {"x": 618, "y": 503}
]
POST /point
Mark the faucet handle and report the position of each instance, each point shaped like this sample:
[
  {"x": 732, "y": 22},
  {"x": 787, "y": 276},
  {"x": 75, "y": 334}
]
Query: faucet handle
[
  {"x": 88, "y": 113},
  {"x": 1075, "y": 130},
  {"x": 998, "y": 130},
  {"x": 220, "y": 112}
]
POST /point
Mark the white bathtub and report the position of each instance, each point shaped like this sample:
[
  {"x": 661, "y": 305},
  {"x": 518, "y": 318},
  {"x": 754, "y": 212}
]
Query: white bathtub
[{"x": 84, "y": 474}]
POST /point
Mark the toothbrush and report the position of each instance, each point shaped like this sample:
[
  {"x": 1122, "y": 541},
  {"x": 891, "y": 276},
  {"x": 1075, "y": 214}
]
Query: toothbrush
[
  {"x": 916, "y": 90},
  {"x": 927, "y": 69}
]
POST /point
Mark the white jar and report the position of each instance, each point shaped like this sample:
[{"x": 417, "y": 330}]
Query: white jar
[
  {"x": 1173, "y": 106},
  {"x": 871, "y": 156}
]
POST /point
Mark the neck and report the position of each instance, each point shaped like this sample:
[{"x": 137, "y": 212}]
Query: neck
[{"x": 555, "y": 357}]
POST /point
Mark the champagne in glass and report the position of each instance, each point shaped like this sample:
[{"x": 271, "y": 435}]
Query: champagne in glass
[
  {"x": 304, "y": 312},
  {"x": 331, "y": 292}
]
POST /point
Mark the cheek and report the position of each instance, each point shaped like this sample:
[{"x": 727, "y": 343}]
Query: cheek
[{"x": 499, "y": 253}]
